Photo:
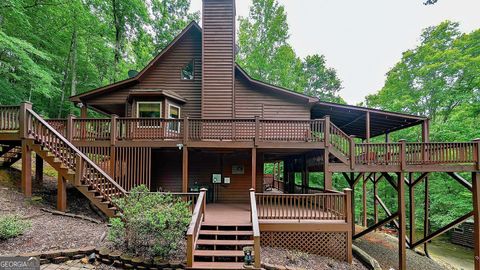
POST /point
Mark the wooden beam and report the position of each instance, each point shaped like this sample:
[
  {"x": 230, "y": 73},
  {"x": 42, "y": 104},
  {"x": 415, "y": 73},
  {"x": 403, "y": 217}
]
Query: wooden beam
[
  {"x": 426, "y": 215},
  {"x": 61, "y": 193},
  {"x": 367, "y": 127},
  {"x": 38, "y": 169},
  {"x": 26, "y": 169},
  {"x": 390, "y": 180},
  {"x": 420, "y": 178},
  {"x": 402, "y": 252},
  {"x": 185, "y": 169},
  {"x": 327, "y": 175},
  {"x": 476, "y": 217},
  {"x": 443, "y": 229},
  {"x": 254, "y": 167},
  {"x": 460, "y": 180},
  {"x": 376, "y": 225},
  {"x": 375, "y": 202},
  {"x": 364, "y": 202}
]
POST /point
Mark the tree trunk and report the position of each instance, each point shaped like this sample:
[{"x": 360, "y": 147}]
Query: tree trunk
[
  {"x": 73, "y": 90},
  {"x": 116, "y": 22},
  {"x": 65, "y": 76}
]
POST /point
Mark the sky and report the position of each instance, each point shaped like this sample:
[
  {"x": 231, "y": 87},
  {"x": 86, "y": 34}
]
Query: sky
[{"x": 363, "y": 40}]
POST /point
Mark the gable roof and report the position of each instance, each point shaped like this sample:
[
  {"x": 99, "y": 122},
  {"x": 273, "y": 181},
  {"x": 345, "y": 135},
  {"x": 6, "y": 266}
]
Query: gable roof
[{"x": 193, "y": 26}]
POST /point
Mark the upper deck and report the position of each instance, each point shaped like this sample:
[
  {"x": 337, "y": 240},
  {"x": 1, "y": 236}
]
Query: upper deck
[{"x": 346, "y": 154}]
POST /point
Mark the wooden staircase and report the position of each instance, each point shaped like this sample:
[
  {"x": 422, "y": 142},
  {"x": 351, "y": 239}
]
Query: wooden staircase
[
  {"x": 221, "y": 246},
  {"x": 9, "y": 154}
]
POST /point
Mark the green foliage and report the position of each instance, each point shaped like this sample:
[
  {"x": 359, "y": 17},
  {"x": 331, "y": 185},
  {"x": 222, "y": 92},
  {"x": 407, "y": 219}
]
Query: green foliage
[
  {"x": 153, "y": 224},
  {"x": 52, "y": 49},
  {"x": 12, "y": 226},
  {"x": 266, "y": 54}
]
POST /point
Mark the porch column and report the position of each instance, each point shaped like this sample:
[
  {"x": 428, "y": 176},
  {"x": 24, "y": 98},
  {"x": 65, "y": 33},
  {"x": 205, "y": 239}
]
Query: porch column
[
  {"x": 185, "y": 169},
  {"x": 476, "y": 217},
  {"x": 402, "y": 252},
  {"x": 305, "y": 179},
  {"x": 411, "y": 199},
  {"x": 61, "y": 194},
  {"x": 254, "y": 168},
  {"x": 327, "y": 175},
  {"x": 38, "y": 169},
  {"x": 364, "y": 201},
  {"x": 26, "y": 169},
  {"x": 375, "y": 202},
  {"x": 367, "y": 127},
  {"x": 83, "y": 111}
]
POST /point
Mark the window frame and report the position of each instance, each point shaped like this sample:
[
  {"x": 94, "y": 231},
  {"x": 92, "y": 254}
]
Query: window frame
[
  {"x": 139, "y": 125},
  {"x": 168, "y": 117},
  {"x": 193, "y": 70}
]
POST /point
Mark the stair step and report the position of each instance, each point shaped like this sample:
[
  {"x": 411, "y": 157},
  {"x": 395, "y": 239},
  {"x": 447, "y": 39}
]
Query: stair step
[
  {"x": 219, "y": 253},
  {"x": 217, "y": 265},
  {"x": 209, "y": 242},
  {"x": 215, "y": 232}
]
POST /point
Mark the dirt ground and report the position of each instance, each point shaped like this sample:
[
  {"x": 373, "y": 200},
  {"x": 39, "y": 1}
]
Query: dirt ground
[
  {"x": 384, "y": 248},
  {"x": 47, "y": 231},
  {"x": 305, "y": 261}
]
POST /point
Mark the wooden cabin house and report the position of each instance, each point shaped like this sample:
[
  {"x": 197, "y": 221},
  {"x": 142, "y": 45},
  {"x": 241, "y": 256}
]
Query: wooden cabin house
[{"x": 195, "y": 124}]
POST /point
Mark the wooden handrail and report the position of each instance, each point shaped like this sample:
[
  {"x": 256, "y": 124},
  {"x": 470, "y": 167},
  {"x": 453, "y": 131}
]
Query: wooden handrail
[
  {"x": 255, "y": 228},
  {"x": 194, "y": 228},
  {"x": 70, "y": 155}
]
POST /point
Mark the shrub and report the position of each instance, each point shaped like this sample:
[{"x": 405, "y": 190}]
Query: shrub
[
  {"x": 12, "y": 226},
  {"x": 152, "y": 224}
]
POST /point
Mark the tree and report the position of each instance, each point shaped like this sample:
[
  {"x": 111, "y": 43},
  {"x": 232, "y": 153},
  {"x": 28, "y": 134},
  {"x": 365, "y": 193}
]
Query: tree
[{"x": 266, "y": 54}]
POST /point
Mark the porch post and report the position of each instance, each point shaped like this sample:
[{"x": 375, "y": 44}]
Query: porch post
[
  {"x": 26, "y": 169},
  {"x": 185, "y": 169},
  {"x": 402, "y": 252},
  {"x": 476, "y": 217},
  {"x": 364, "y": 202},
  {"x": 61, "y": 194},
  {"x": 367, "y": 127},
  {"x": 327, "y": 175},
  {"x": 375, "y": 202},
  {"x": 38, "y": 169},
  {"x": 411, "y": 199},
  {"x": 254, "y": 168},
  {"x": 83, "y": 111}
]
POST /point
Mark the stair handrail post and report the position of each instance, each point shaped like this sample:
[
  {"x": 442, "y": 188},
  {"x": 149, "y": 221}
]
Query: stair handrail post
[
  {"x": 348, "y": 220},
  {"x": 257, "y": 130},
  {"x": 78, "y": 170},
  {"x": 352, "y": 151},
  {"x": 327, "y": 130},
  {"x": 476, "y": 153},
  {"x": 24, "y": 119},
  {"x": 185, "y": 129},
  {"x": 70, "y": 127},
  {"x": 113, "y": 129},
  {"x": 403, "y": 154},
  {"x": 204, "y": 202}
]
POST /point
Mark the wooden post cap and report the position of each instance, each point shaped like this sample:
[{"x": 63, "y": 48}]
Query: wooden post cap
[
  {"x": 476, "y": 140},
  {"x": 402, "y": 140},
  {"x": 203, "y": 190},
  {"x": 252, "y": 190}
]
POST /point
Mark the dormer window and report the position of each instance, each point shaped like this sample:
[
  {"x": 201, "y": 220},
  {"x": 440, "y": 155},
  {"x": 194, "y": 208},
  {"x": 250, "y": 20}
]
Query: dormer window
[{"x": 187, "y": 71}]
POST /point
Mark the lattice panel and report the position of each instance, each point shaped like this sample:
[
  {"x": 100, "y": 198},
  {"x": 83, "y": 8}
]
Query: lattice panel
[{"x": 327, "y": 244}]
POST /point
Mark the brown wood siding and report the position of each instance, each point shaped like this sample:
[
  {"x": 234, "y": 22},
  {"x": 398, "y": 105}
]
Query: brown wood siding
[
  {"x": 251, "y": 102},
  {"x": 166, "y": 76},
  {"x": 218, "y": 58},
  {"x": 167, "y": 170}
]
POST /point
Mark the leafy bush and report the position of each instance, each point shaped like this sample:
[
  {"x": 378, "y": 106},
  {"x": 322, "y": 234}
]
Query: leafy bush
[
  {"x": 12, "y": 226},
  {"x": 152, "y": 224}
]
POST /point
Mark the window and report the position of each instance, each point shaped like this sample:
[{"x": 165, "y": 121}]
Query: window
[
  {"x": 173, "y": 113},
  {"x": 458, "y": 230},
  {"x": 148, "y": 110},
  {"x": 188, "y": 71}
]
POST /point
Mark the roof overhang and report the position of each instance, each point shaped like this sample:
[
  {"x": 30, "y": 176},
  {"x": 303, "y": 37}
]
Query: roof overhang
[
  {"x": 353, "y": 119},
  {"x": 156, "y": 93}
]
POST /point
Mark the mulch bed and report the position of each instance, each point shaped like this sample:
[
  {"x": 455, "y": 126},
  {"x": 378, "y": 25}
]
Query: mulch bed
[
  {"x": 279, "y": 256},
  {"x": 384, "y": 249},
  {"x": 47, "y": 231}
]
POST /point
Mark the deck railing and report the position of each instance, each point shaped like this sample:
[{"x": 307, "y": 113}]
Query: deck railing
[
  {"x": 339, "y": 139},
  {"x": 9, "y": 116},
  {"x": 378, "y": 153},
  {"x": 97, "y": 129},
  {"x": 59, "y": 125},
  {"x": 292, "y": 130},
  {"x": 194, "y": 228},
  {"x": 85, "y": 169},
  {"x": 221, "y": 129},
  {"x": 149, "y": 129},
  {"x": 255, "y": 228},
  {"x": 319, "y": 206}
]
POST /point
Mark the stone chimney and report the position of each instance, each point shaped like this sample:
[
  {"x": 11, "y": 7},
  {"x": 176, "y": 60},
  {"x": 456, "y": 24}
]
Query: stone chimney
[{"x": 218, "y": 58}]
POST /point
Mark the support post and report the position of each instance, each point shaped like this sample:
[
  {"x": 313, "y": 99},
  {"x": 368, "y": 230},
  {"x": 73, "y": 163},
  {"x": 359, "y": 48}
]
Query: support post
[
  {"x": 204, "y": 203},
  {"x": 352, "y": 152},
  {"x": 186, "y": 130},
  {"x": 348, "y": 219},
  {"x": 23, "y": 118},
  {"x": 83, "y": 111},
  {"x": 327, "y": 131},
  {"x": 185, "y": 169},
  {"x": 476, "y": 217},
  {"x": 367, "y": 127},
  {"x": 402, "y": 252},
  {"x": 477, "y": 153},
  {"x": 38, "y": 169},
  {"x": 26, "y": 169},
  {"x": 61, "y": 194},
  {"x": 426, "y": 215},
  {"x": 327, "y": 174},
  {"x": 411, "y": 198},
  {"x": 364, "y": 202},
  {"x": 304, "y": 175},
  {"x": 254, "y": 168},
  {"x": 375, "y": 202},
  {"x": 403, "y": 161},
  {"x": 70, "y": 127},
  {"x": 257, "y": 130},
  {"x": 113, "y": 141},
  {"x": 352, "y": 186}
]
